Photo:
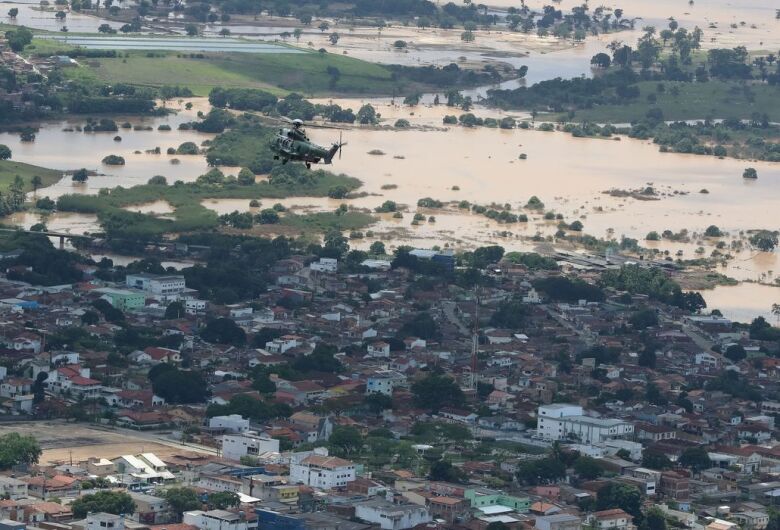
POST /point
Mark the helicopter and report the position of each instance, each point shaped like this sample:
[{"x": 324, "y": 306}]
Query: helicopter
[{"x": 293, "y": 144}]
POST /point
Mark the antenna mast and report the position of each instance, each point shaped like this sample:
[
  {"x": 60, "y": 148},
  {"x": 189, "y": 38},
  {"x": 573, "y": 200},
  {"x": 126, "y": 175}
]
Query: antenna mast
[{"x": 475, "y": 342}]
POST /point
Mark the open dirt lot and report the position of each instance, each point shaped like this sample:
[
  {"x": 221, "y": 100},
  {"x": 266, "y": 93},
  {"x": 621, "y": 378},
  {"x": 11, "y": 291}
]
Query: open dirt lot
[{"x": 62, "y": 441}]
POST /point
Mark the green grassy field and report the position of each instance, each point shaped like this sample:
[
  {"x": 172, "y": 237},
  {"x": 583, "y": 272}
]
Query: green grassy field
[
  {"x": 189, "y": 212},
  {"x": 326, "y": 221},
  {"x": 9, "y": 169},
  {"x": 305, "y": 73},
  {"x": 714, "y": 99}
]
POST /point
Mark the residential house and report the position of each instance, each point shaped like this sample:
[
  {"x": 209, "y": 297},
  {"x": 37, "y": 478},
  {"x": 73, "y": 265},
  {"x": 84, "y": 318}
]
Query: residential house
[
  {"x": 324, "y": 472},
  {"x": 391, "y": 516}
]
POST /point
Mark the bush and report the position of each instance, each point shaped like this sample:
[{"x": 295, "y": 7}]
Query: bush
[
  {"x": 45, "y": 203},
  {"x": 113, "y": 160},
  {"x": 158, "y": 180},
  {"x": 187, "y": 148},
  {"x": 402, "y": 124},
  {"x": 80, "y": 175}
]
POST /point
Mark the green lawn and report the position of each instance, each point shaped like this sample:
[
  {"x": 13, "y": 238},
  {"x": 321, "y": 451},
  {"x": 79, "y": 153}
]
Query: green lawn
[
  {"x": 46, "y": 47},
  {"x": 9, "y": 169},
  {"x": 714, "y": 99},
  {"x": 278, "y": 73}
]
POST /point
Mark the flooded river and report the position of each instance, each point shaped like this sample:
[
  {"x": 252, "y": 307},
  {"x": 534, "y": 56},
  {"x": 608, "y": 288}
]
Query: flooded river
[
  {"x": 33, "y": 16},
  {"x": 56, "y": 148}
]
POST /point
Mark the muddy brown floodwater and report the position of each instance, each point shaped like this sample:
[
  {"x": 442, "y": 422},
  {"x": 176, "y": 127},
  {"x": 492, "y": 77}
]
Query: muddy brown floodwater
[{"x": 481, "y": 166}]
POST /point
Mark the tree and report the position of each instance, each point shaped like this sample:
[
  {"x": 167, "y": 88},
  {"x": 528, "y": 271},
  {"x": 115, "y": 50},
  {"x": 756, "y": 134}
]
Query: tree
[
  {"x": 16, "y": 449},
  {"x": 297, "y": 32},
  {"x": 695, "y": 458},
  {"x": 656, "y": 460},
  {"x": 510, "y": 314},
  {"x": 80, "y": 175},
  {"x": 5, "y": 152},
  {"x": 174, "y": 310},
  {"x": 713, "y": 231},
  {"x": 223, "y": 499},
  {"x": 644, "y": 318},
  {"x": 224, "y": 32},
  {"x": 548, "y": 470},
  {"x": 267, "y": 217},
  {"x": 366, "y": 114},
  {"x": 334, "y": 38},
  {"x": 90, "y": 318},
  {"x": 647, "y": 356},
  {"x": 497, "y": 525},
  {"x": 345, "y": 440},
  {"x": 750, "y": 173},
  {"x": 36, "y": 182},
  {"x": 223, "y": 331},
  {"x": 18, "y": 38},
  {"x": 178, "y": 386},
  {"x": 377, "y": 402},
  {"x": 435, "y": 391},
  {"x": 13, "y": 12},
  {"x": 323, "y": 27},
  {"x": 444, "y": 471},
  {"x": 588, "y": 468},
  {"x": 246, "y": 177},
  {"x": 377, "y": 248},
  {"x": 263, "y": 384},
  {"x": 181, "y": 500},
  {"x": 601, "y": 60},
  {"x": 764, "y": 240},
  {"x": 653, "y": 520},
  {"x": 617, "y": 495},
  {"x": 735, "y": 353},
  {"x": 115, "y": 502},
  {"x": 192, "y": 30}
]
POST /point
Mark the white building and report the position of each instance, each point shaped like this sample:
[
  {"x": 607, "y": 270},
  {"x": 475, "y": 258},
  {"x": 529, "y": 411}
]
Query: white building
[
  {"x": 104, "y": 521},
  {"x": 215, "y": 520},
  {"x": 325, "y": 265},
  {"x": 379, "y": 383},
  {"x": 391, "y": 516},
  {"x": 378, "y": 349},
  {"x": 324, "y": 472},
  {"x": 12, "y": 488},
  {"x": 146, "y": 467},
  {"x": 234, "y": 446},
  {"x": 282, "y": 344},
  {"x": 166, "y": 288},
  {"x": 232, "y": 423},
  {"x": 561, "y": 421},
  {"x": 193, "y": 306}
]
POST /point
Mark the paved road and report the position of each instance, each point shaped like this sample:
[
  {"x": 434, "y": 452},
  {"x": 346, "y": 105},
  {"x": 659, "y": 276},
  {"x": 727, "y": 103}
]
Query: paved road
[
  {"x": 160, "y": 438},
  {"x": 449, "y": 308}
]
